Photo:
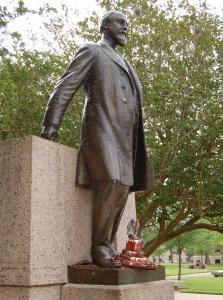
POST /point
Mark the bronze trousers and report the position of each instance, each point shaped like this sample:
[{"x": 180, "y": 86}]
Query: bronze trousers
[{"x": 109, "y": 201}]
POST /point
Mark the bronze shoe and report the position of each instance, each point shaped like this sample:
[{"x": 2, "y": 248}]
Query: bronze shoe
[
  {"x": 101, "y": 256},
  {"x": 113, "y": 252}
]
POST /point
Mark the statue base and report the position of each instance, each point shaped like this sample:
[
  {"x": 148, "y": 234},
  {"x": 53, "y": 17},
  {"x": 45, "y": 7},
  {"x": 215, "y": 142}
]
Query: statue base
[
  {"x": 45, "y": 219},
  {"x": 159, "y": 290},
  {"x": 90, "y": 274}
]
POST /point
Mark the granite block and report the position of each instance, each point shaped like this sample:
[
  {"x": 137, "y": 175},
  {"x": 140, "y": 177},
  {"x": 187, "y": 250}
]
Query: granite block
[
  {"x": 157, "y": 290},
  {"x": 46, "y": 292},
  {"x": 45, "y": 219}
]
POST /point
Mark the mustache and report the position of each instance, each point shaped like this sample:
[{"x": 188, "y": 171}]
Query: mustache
[{"x": 123, "y": 32}]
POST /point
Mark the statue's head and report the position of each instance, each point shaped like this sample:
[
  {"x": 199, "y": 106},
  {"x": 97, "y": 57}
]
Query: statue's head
[{"x": 114, "y": 25}]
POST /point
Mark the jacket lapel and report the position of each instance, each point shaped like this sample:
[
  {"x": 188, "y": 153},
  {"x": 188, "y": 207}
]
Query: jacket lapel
[
  {"x": 112, "y": 54},
  {"x": 135, "y": 79},
  {"x": 122, "y": 63},
  {"x": 114, "y": 57}
]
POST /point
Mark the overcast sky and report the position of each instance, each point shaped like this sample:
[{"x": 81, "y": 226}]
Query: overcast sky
[
  {"x": 34, "y": 22},
  {"x": 89, "y": 4}
]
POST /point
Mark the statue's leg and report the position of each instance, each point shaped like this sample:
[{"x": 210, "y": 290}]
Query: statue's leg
[
  {"x": 120, "y": 207},
  {"x": 107, "y": 198}
]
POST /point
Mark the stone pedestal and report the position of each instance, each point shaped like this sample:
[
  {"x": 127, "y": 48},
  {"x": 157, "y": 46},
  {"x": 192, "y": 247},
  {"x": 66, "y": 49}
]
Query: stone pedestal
[
  {"x": 46, "y": 292},
  {"x": 105, "y": 276},
  {"x": 157, "y": 290},
  {"x": 45, "y": 219}
]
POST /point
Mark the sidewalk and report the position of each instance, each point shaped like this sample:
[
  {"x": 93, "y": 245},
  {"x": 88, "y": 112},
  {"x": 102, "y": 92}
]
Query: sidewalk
[
  {"x": 190, "y": 296},
  {"x": 208, "y": 274}
]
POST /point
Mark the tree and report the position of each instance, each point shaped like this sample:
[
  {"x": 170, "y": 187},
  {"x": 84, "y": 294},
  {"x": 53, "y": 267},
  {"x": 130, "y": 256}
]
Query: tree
[
  {"x": 14, "y": 11},
  {"x": 178, "y": 245},
  {"x": 158, "y": 253},
  {"x": 27, "y": 79},
  {"x": 203, "y": 243},
  {"x": 23, "y": 90},
  {"x": 198, "y": 242}
]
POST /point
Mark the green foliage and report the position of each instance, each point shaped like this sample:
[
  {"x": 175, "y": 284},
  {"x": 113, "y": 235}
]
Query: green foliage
[
  {"x": 179, "y": 67},
  {"x": 203, "y": 242},
  {"x": 28, "y": 78},
  {"x": 199, "y": 242},
  {"x": 6, "y": 15},
  {"x": 25, "y": 86},
  {"x": 14, "y": 10}
]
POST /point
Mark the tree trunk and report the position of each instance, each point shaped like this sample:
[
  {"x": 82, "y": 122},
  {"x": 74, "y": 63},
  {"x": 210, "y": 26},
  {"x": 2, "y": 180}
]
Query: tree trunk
[
  {"x": 153, "y": 245},
  {"x": 202, "y": 262},
  {"x": 171, "y": 256},
  {"x": 207, "y": 259},
  {"x": 180, "y": 262}
]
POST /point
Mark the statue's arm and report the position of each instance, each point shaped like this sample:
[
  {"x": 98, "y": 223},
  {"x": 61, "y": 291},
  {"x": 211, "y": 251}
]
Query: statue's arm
[{"x": 65, "y": 89}]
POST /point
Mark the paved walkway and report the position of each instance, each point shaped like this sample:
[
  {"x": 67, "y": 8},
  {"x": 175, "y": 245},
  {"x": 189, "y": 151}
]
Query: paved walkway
[
  {"x": 190, "y": 296},
  {"x": 190, "y": 275}
]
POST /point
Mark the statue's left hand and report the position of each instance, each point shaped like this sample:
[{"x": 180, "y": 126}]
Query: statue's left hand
[{"x": 50, "y": 133}]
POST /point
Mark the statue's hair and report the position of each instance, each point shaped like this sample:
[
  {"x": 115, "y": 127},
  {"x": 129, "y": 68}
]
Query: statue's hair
[{"x": 106, "y": 18}]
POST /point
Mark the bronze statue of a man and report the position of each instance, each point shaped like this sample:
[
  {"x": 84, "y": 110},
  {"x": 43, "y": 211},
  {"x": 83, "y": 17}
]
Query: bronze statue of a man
[{"x": 112, "y": 158}]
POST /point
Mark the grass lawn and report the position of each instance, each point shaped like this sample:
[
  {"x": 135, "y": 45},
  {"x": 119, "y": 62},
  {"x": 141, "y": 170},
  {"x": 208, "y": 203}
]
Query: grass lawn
[
  {"x": 215, "y": 267},
  {"x": 172, "y": 269},
  {"x": 209, "y": 285}
]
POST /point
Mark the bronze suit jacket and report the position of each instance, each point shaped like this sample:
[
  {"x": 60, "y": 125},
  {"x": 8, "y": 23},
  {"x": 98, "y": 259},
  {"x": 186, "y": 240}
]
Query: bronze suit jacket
[{"x": 112, "y": 138}]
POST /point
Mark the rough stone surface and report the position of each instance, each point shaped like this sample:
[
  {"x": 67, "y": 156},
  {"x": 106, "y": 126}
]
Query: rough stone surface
[
  {"x": 45, "y": 219},
  {"x": 157, "y": 290},
  {"x": 15, "y": 210},
  {"x": 51, "y": 292}
]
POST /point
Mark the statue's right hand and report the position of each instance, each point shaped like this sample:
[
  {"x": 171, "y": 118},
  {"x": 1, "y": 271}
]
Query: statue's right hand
[{"x": 50, "y": 133}]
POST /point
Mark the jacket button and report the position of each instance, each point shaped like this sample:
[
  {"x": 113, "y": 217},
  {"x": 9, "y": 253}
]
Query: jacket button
[{"x": 124, "y": 100}]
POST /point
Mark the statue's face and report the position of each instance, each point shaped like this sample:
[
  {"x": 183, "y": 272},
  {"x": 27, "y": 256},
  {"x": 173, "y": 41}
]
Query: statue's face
[{"x": 117, "y": 28}]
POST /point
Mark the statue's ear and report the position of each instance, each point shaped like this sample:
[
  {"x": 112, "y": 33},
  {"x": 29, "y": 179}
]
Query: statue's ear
[{"x": 106, "y": 25}]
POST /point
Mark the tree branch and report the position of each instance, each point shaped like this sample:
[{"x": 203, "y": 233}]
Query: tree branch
[
  {"x": 152, "y": 245},
  {"x": 192, "y": 221},
  {"x": 162, "y": 222},
  {"x": 181, "y": 215},
  {"x": 146, "y": 216},
  {"x": 189, "y": 228}
]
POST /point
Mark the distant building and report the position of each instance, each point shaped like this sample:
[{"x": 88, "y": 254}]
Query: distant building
[
  {"x": 166, "y": 257},
  {"x": 214, "y": 258},
  {"x": 217, "y": 256}
]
